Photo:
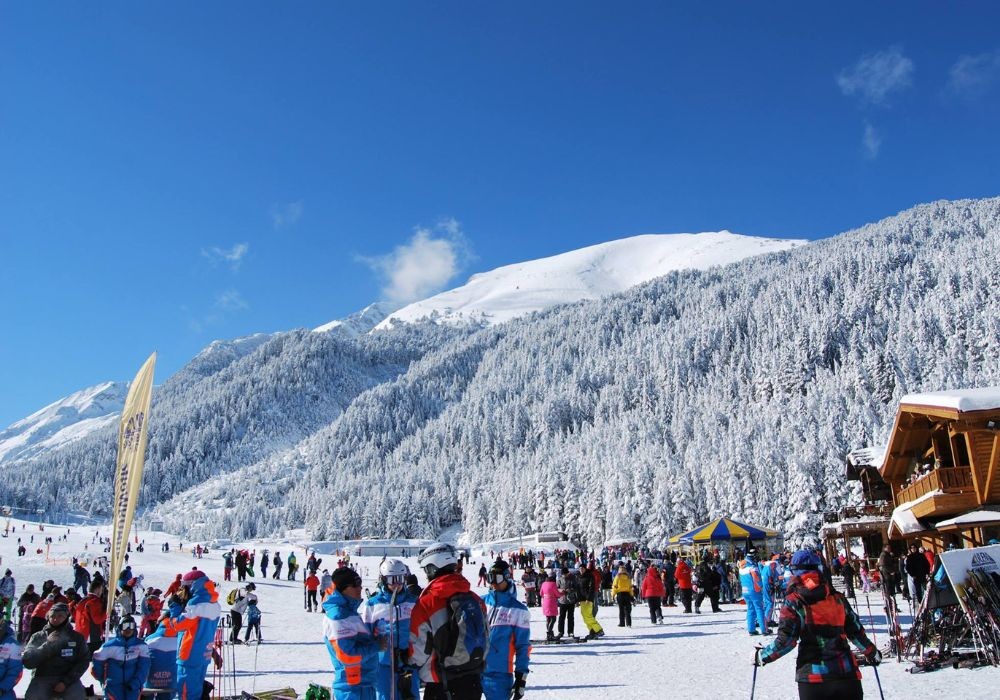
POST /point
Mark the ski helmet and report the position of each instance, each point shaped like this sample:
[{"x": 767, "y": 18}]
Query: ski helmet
[
  {"x": 499, "y": 572},
  {"x": 393, "y": 571},
  {"x": 804, "y": 560},
  {"x": 439, "y": 558},
  {"x": 127, "y": 622}
]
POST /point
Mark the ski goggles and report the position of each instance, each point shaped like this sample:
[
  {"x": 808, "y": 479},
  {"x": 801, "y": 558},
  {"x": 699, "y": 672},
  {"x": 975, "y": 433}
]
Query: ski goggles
[
  {"x": 127, "y": 625},
  {"x": 395, "y": 580},
  {"x": 496, "y": 577}
]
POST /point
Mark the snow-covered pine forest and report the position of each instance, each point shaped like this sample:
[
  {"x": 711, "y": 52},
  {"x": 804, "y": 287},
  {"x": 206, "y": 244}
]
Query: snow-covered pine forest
[{"x": 733, "y": 391}]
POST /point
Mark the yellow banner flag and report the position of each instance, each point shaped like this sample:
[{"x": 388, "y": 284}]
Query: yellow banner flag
[{"x": 128, "y": 473}]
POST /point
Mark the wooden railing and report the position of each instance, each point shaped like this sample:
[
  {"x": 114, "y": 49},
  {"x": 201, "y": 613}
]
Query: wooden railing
[
  {"x": 945, "y": 479},
  {"x": 880, "y": 510}
]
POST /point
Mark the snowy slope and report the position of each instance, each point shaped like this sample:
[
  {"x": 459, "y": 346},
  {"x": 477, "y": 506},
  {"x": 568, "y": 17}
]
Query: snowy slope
[
  {"x": 695, "y": 657},
  {"x": 64, "y": 421},
  {"x": 588, "y": 273}
]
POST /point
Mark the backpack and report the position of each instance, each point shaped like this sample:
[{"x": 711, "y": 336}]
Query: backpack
[
  {"x": 462, "y": 642},
  {"x": 233, "y": 596}
]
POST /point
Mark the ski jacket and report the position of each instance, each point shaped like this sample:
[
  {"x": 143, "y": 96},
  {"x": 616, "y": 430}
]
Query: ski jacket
[
  {"x": 510, "y": 633},
  {"x": 652, "y": 586},
  {"x": 326, "y": 583},
  {"x": 550, "y": 598},
  {"x": 682, "y": 572},
  {"x": 196, "y": 624},
  {"x": 622, "y": 584},
  {"x": 529, "y": 581},
  {"x": 7, "y": 587},
  {"x": 430, "y": 614},
  {"x": 10, "y": 662},
  {"x": 253, "y": 612},
  {"x": 568, "y": 589},
  {"x": 311, "y": 583},
  {"x": 174, "y": 586},
  {"x": 376, "y": 613},
  {"x": 57, "y": 652},
  {"x": 89, "y": 616},
  {"x": 751, "y": 581},
  {"x": 708, "y": 577},
  {"x": 768, "y": 576},
  {"x": 585, "y": 587},
  {"x": 162, "y": 645},
  {"x": 822, "y": 622},
  {"x": 353, "y": 650},
  {"x": 916, "y": 566},
  {"x": 121, "y": 665}
]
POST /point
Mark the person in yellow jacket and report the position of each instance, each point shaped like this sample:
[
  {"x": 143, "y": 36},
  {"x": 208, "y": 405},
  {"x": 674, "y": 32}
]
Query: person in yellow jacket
[{"x": 621, "y": 589}]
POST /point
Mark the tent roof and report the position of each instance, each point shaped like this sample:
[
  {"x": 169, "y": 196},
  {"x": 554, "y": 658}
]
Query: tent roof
[{"x": 722, "y": 529}]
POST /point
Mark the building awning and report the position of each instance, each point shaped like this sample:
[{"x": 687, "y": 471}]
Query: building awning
[
  {"x": 904, "y": 523},
  {"x": 970, "y": 520}
]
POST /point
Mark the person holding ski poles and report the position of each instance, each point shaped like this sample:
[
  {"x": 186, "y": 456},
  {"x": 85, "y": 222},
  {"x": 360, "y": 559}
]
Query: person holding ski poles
[
  {"x": 387, "y": 614},
  {"x": 822, "y": 622},
  {"x": 354, "y": 650},
  {"x": 510, "y": 637}
]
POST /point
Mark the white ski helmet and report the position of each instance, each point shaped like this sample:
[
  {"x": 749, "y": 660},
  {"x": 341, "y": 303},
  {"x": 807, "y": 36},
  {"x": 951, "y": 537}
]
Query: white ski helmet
[
  {"x": 393, "y": 571},
  {"x": 436, "y": 557}
]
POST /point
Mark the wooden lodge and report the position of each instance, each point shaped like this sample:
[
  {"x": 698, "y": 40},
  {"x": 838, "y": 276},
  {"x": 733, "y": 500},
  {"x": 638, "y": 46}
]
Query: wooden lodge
[
  {"x": 943, "y": 461},
  {"x": 937, "y": 481}
]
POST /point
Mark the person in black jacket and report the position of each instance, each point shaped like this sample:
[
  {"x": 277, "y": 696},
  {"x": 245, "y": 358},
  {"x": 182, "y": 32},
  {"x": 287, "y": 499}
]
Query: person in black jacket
[
  {"x": 709, "y": 582},
  {"x": 59, "y": 656},
  {"x": 917, "y": 571}
]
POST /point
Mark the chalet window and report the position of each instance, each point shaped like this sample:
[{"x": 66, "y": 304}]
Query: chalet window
[{"x": 960, "y": 451}]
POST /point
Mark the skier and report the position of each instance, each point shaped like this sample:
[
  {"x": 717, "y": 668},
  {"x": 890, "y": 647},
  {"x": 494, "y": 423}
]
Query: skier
[
  {"x": 353, "y": 649},
  {"x": 195, "y": 618},
  {"x": 621, "y": 589},
  {"x": 753, "y": 594},
  {"x": 568, "y": 597},
  {"x": 668, "y": 583},
  {"x": 768, "y": 581},
  {"x": 237, "y": 609},
  {"x": 510, "y": 637},
  {"x": 587, "y": 593},
  {"x": 292, "y": 566},
  {"x": 709, "y": 583},
  {"x": 58, "y": 655},
  {"x": 311, "y": 584},
  {"x": 8, "y": 590},
  {"x": 227, "y": 566},
  {"x": 392, "y": 603},
  {"x": 81, "y": 579},
  {"x": 482, "y": 575},
  {"x": 456, "y": 676},
  {"x": 529, "y": 582},
  {"x": 90, "y": 615},
  {"x": 685, "y": 589},
  {"x": 162, "y": 645},
  {"x": 822, "y": 622},
  {"x": 277, "y": 565},
  {"x": 550, "y": 606},
  {"x": 264, "y": 561},
  {"x": 652, "y": 592},
  {"x": 253, "y": 619},
  {"x": 10, "y": 661},
  {"x": 121, "y": 665}
]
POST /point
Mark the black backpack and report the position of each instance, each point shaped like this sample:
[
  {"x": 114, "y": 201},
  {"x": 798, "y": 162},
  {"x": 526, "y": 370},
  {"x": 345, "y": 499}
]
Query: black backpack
[{"x": 461, "y": 644}]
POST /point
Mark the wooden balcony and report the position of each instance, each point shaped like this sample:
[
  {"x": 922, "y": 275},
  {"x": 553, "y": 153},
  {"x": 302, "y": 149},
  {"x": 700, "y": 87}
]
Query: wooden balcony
[{"x": 956, "y": 492}]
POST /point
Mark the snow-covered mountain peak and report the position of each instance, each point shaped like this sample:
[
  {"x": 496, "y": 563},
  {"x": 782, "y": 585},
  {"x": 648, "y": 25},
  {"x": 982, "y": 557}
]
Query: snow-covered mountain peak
[
  {"x": 360, "y": 321},
  {"x": 586, "y": 273},
  {"x": 63, "y": 421}
]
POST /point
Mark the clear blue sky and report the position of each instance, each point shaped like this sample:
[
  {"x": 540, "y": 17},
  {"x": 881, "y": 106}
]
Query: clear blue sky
[{"x": 176, "y": 172}]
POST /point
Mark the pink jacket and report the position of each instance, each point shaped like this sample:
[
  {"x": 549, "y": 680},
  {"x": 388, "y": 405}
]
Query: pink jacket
[{"x": 550, "y": 596}]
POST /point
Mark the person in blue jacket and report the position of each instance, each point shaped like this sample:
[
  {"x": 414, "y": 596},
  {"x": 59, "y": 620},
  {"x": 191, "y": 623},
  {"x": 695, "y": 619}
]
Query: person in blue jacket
[
  {"x": 753, "y": 594},
  {"x": 768, "y": 576},
  {"x": 162, "y": 643},
  {"x": 10, "y": 660},
  {"x": 510, "y": 637},
  {"x": 195, "y": 624},
  {"x": 121, "y": 665},
  {"x": 377, "y": 612},
  {"x": 354, "y": 649}
]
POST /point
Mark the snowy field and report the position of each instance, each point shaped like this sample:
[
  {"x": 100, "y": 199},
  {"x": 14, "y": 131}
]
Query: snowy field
[{"x": 689, "y": 656}]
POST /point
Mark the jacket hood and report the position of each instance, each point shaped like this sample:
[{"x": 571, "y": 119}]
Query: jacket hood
[
  {"x": 338, "y": 601},
  {"x": 203, "y": 591}
]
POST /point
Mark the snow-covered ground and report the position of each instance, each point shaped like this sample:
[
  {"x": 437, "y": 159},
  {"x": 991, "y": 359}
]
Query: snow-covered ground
[{"x": 689, "y": 656}]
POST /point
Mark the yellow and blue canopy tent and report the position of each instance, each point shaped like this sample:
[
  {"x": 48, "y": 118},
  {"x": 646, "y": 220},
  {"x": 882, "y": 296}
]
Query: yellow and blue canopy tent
[{"x": 723, "y": 530}]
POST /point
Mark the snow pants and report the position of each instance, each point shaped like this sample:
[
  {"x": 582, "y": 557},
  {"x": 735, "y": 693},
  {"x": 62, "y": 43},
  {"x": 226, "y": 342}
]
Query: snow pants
[
  {"x": 841, "y": 689},
  {"x": 587, "y": 612},
  {"x": 686, "y": 594},
  {"x": 755, "y": 613},
  {"x": 624, "y": 609},
  {"x": 497, "y": 686},
  {"x": 384, "y": 682},
  {"x": 566, "y": 618},
  {"x": 464, "y": 688},
  {"x": 362, "y": 693},
  {"x": 768, "y": 606},
  {"x": 191, "y": 681},
  {"x": 655, "y": 612},
  {"x": 40, "y": 688}
]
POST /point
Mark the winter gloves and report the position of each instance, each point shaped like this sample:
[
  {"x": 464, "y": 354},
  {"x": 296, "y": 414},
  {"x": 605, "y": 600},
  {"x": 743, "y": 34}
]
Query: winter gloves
[
  {"x": 519, "y": 682},
  {"x": 757, "y": 661},
  {"x": 874, "y": 657}
]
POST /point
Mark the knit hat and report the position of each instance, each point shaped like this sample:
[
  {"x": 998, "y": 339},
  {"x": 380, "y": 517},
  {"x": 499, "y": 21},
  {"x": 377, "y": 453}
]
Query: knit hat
[
  {"x": 804, "y": 560},
  {"x": 60, "y": 608},
  {"x": 344, "y": 578},
  {"x": 193, "y": 575}
]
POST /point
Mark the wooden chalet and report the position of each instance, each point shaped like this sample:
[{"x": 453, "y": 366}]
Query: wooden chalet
[
  {"x": 942, "y": 467},
  {"x": 868, "y": 523}
]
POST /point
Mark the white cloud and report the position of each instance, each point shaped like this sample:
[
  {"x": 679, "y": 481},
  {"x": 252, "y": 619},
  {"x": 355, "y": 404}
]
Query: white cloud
[
  {"x": 876, "y": 76},
  {"x": 972, "y": 76},
  {"x": 872, "y": 140},
  {"x": 231, "y": 300},
  {"x": 232, "y": 257},
  {"x": 424, "y": 265},
  {"x": 285, "y": 215}
]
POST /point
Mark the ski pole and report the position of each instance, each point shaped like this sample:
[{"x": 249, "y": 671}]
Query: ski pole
[
  {"x": 877, "y": 681},
  {"x": 753, "y": 685}
]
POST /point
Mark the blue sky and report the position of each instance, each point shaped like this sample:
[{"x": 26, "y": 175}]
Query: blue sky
[{"x": 176, "y": 172}]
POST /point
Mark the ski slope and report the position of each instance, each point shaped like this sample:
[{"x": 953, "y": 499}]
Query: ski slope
[
  {"x": 696, "y": 657},
  {"x": 587, "y": 273}
]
